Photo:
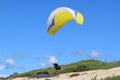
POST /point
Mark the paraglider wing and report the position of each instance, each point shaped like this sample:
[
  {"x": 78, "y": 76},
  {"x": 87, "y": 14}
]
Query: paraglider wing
[{"x": 61, "y": 16}]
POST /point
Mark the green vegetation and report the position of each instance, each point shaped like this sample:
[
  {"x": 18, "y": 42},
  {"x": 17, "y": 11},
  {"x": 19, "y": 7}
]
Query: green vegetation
[
  {"x": 3, "y": 78},
  {"x": 112, "y": 78},
  {"x": 108, "y": 78},
  {"x": 84, "y": 65}
]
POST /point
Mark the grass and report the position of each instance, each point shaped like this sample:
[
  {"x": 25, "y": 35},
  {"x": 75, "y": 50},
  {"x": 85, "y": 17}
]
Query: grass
[
  {"x": 108, "y": 78},
  {"x": 80, "y": 66}
]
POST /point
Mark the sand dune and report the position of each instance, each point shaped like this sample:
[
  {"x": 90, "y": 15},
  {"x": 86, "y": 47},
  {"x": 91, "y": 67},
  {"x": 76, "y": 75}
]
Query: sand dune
[{"x": 86, "y": 75}]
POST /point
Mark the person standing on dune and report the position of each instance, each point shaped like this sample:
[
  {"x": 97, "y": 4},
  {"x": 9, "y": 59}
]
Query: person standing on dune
[
  {"x": 54, "y": 62},
  {"x": 57, "y": 68}
]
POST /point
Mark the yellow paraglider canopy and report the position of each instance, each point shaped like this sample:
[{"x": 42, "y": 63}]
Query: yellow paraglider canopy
[{"x": 61, "y": 16}]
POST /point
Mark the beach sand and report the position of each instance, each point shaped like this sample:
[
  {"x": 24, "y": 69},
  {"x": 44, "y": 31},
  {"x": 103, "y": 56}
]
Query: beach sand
[{"x": 86, "y": 75}]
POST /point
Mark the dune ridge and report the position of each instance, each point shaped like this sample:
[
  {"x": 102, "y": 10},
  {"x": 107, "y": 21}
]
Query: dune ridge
[{"x": 86, "y": 75}]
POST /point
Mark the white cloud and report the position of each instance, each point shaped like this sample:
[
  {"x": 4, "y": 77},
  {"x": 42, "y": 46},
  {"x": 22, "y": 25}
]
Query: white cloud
[
  {"x": 0, "y": 56},
  {"x": 2, "y": 67},
  {"x": 18, "y": 55},
  {"x": 79, "y": 53},
  {"x": 43, "y": 65},
  {"x": 22, "y": 67},
  {"x": 49, "y": 61},
  {"x": 4, "y": 75},
  {"x": 9, "y": 63},
  {"x": 94, "y": 54}
]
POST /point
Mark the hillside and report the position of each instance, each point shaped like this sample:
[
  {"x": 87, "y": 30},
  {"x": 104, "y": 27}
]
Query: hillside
[
  {"x": 80, "y": 66},
  {"x": 102, "y": 74}
]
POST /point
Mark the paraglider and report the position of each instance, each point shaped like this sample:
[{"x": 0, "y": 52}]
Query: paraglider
[{"x": 61, "y": 16}]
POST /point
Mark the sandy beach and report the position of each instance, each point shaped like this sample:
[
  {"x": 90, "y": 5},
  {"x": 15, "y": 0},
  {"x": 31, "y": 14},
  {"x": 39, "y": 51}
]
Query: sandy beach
[{"x": 86, "y": 75}]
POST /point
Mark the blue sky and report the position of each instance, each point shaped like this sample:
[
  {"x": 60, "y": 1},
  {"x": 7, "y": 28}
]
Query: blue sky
[{"x": 25, "y": 43}]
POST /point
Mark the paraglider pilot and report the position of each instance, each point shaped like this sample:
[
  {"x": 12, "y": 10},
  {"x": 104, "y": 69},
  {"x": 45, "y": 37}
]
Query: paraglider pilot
[{"x": 57, "y": 68}]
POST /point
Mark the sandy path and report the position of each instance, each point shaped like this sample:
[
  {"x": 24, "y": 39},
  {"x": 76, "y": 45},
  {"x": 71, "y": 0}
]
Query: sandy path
[{"x": 87, "y": 75}]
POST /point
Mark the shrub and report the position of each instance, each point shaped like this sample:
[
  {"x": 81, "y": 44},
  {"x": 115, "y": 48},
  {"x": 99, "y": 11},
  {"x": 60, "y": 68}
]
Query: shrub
[
  {"x": 67, "y": 70},
  {"x": 82, "y": 68}
]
